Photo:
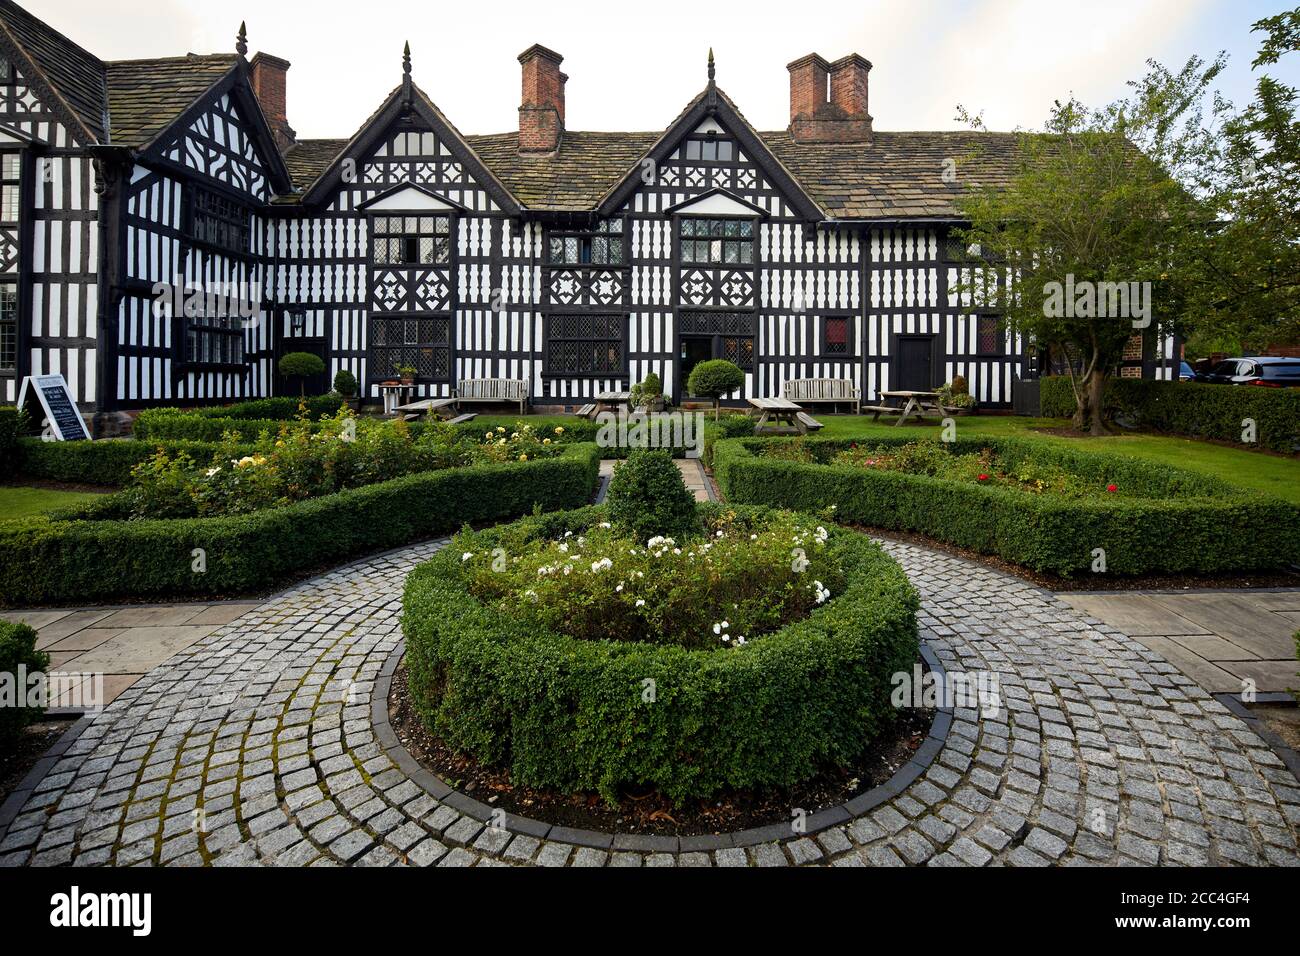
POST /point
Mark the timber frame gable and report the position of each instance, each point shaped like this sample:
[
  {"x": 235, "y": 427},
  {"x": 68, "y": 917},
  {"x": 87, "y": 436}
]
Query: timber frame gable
[{"x": 405, "y": 104}]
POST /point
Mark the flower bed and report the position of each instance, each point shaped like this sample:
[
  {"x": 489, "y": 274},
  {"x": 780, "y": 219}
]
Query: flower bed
[
  {"x": 573, "y": 684},
  {"x": 99, "y": 552},
  {"x": 1038, "y": 505}
]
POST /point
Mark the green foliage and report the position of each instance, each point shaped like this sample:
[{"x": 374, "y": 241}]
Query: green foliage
[
  {"x": 283, "y": 409},
  {"x": 18, "y": 648},
  {"x": 300, "y": 365},
  {"x": 12, "y": 427},
  {"x": 580, "y": 715},
  {"x": 646, "y": 392},
  {"x": 1193, "y": 409},
  {"x": 1171, "y": 522},
  {"x": 715, "y": 378},
  {"x": 345, "y": 383},
  {"x": 93, "y": 553},
  {"x": 955, "y": 395},
  {"x": 727, "y": 588},
  {"x": 648, "y": 497},
  {"x": 104, "y": 462}
]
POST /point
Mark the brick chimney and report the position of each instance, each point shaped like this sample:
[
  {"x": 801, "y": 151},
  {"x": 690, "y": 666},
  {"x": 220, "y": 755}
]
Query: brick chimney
[
  {"x": 828, "y": 101},
  {"x": 268, "y": 75},
  {"x": 541, "y": 115}
]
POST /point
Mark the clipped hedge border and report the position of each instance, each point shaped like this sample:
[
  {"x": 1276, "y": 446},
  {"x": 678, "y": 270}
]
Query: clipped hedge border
[
  {"x": 1215, "y": 528},
  {"x": 104, "y": 462},
  {"x": 92, "y": 553},
  {"x": 1193, "y": 409},
  {"x": 566, "y": 713}
]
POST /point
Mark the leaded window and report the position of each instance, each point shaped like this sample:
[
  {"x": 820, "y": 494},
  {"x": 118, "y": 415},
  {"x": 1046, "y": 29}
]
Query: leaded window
[
  {"x": 422, "y": 343},
  {"x": 10, "y": 197},
  {"x": 708, "y": 149},
  {"x": 8, "y": 326},
  {"x": 989, "y": 338},
  {"x": 214, "y": 341},
  {"x": 717, "y": 241},
  {"x": 601, "y": 246},
  {"x": 835, "y": 335},
  {"x": 6, "y": 70},
  {"x": 421, "y": 240},
  {"x": 220, "y": 221},
  {"x": 732, "y": 334},
  {"x": 585, "y": 345}
]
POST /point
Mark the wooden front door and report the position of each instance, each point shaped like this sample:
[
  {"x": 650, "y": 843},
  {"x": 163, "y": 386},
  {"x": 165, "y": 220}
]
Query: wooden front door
[{"x": 914, "y": 366}]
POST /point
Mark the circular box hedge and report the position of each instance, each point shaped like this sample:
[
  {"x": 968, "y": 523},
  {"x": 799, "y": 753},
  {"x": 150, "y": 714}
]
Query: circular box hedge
[
  {"x": 572, "y": 714},
  {"x": 1183, "y": 522}
]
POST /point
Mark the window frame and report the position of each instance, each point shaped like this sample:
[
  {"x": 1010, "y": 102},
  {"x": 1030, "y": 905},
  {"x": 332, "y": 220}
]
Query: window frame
[
  {"x": 621, "y": 340},
  {"x": 709, "y": 139},
  {"x": 11, "y": 327},
  {"x": 445, "y": 319},
  {"x": 850, "y": 340},
  {"x": 742, "y": 241},
  {"x": 194, "y": 214},
  {"x": 586, "y": 239},
  {"x": 223, "y": 329},
  {"x": 447, "y": 239},
  {"x": 999, "y": 331}
]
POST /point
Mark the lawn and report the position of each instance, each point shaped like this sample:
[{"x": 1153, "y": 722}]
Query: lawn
[
  {"x": 20, "y": 502},
  {"x": 1271, "y": 474}
]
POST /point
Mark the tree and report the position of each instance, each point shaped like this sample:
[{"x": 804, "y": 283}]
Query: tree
[
  {"x": 1081, "y": 249},
  {"x": 301, "y": 365},
  {"x": 345, "y": 383},
  {"x": 713, "y": 379}
]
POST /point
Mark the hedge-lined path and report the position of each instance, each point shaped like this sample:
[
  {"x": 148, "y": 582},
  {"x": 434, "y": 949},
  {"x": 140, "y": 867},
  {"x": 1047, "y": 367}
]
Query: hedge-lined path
[{"x": 255, "y": 745}]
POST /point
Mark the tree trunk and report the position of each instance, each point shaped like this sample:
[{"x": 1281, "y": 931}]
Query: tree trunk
[{"x": 1090, "y": 410}]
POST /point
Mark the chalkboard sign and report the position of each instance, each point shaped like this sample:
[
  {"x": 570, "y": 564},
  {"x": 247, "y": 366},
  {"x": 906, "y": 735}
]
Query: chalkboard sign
[{"x": 61, "y": 412}]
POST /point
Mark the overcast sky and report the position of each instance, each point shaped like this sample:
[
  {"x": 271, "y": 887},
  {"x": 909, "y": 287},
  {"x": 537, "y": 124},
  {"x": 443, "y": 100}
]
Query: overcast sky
[{"x": 634, "y": 64}]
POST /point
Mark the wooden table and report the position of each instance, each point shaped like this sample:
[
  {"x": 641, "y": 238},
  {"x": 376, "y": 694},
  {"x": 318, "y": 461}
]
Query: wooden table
[
  {"x": 393, "y": 396},
  {"x": 611, "y": 401},
  {"x": 430, "y": 406},
  {"x": 784, "y": 411},
  {"x": 916, "y": 404}
]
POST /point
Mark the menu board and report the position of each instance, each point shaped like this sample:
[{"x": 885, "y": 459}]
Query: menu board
[{"x": 61, "y": 413}]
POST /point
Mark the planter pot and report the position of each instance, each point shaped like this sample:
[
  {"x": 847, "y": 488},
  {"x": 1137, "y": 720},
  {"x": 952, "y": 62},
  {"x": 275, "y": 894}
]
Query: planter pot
[{"x": 408, "y": 380}]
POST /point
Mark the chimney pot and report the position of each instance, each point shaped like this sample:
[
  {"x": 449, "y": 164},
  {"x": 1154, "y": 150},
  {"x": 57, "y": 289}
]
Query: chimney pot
[
  {"x": 267, "y": 75},
  {"x": 828, "y": 101}
]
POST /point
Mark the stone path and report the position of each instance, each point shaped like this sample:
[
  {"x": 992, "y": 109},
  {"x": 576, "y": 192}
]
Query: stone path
[
  {"x": 1225, "y": 640},
  {"x": 119, "y": 645},
  {"x": 255, "y": 746}
]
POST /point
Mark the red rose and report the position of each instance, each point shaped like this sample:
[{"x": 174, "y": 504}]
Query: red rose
[{"x": 1112, "y": 487}]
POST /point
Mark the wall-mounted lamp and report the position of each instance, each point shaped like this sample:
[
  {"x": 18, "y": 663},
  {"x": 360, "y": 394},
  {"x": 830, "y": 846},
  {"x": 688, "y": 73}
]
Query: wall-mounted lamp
[{"x": 297, "y": 321}]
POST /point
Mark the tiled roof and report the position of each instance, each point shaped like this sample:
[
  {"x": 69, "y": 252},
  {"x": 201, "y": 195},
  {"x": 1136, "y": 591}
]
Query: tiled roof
[
  {"x": 308, "y": 158},
  {"x": 76, "y": 76},
  {"x": 572, "y": 179},
  {"x": 897, "y": 175},
  {"x": 146, "y": 96}
]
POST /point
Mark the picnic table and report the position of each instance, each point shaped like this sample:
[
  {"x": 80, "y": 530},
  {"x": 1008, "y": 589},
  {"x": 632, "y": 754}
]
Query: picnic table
[
  {"x": 612, "y": 401},
  {"x": 790, "y": 416},
  {"x": 914, "y": 404},
  {"x": 427, "y": 406}
]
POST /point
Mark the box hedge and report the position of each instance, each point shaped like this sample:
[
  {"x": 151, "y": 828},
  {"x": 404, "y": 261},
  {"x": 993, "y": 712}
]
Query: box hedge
[
  {"x": 1193, "y": 409},
  {"x": 18, "y": 649},
  {"x": 572, "y": 715},
  {"x": 93, "y": 552},
  {"x": 1189, "y": 524},
  {"x": 105, "y": 462}
]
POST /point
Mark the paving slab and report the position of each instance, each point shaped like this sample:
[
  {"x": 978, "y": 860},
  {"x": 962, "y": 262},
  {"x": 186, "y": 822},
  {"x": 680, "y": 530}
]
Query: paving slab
[
  {"x": 1236, "y": 619},
  {"x": 1137, "y": 615}
]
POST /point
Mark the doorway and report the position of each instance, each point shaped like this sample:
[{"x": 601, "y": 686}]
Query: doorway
[
  {"x": 694, "y": 350},
  {"x": 914, "y": 363}
]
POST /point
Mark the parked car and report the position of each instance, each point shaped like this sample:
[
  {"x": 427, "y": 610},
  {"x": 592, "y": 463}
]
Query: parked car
[
  {"x": 1266, "y": 370},
  {"x": 1185, "y": 372}
]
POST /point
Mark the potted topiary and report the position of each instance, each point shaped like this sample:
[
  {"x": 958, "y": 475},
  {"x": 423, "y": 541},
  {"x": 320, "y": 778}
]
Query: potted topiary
[
  {"x": 407, "y": 374},
  {"x": 713, "y": 379},
  {"x": 955, "y": 397},
  {"x": 345, "y": 384},
  {"x": 301, "y": 365},
  {"x": 648, "y": 395}
]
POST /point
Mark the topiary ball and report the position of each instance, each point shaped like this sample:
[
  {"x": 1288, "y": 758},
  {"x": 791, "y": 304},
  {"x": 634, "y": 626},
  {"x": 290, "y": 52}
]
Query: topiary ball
[{"x": 647, "y": 497}]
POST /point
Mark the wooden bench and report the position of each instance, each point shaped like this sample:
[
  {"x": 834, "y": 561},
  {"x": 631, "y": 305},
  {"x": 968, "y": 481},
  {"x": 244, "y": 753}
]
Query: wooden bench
[
  {"x": 878, "y": 410},
  {"x": 462, "y": 419},
  {"x": 803, "y": 391},
  {"x": 586, "y": 411},
  {"x": 809, "y": 423},
  {"x": 492, "y": 390}
]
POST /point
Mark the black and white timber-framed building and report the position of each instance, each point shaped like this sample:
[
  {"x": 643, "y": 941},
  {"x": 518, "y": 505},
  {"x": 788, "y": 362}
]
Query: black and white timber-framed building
[{"x": 578, "y": 261}]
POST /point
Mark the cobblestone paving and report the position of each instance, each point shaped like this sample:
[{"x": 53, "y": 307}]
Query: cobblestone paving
[{"x": 261, "y": 735}]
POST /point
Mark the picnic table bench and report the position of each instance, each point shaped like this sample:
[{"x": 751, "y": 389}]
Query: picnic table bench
[
  {"x": 914, "y": 405},
  {"x": 795, "y": 419},
  {"x": 427, "y": 406}
]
